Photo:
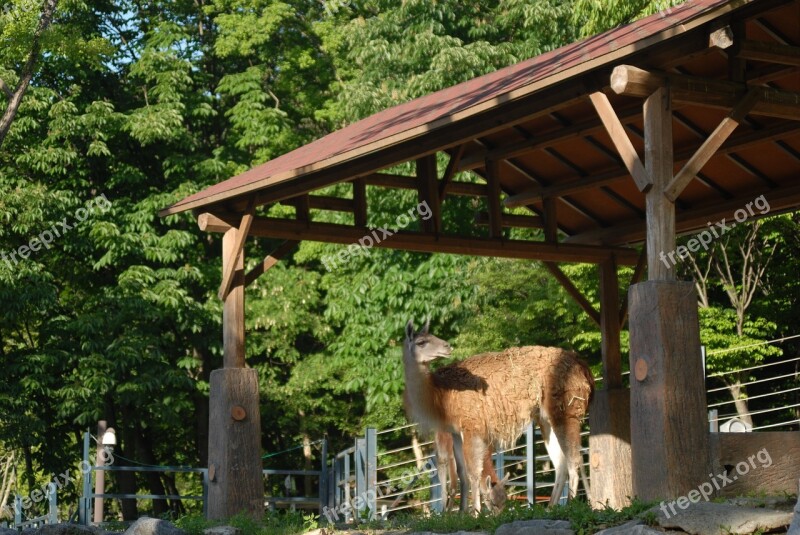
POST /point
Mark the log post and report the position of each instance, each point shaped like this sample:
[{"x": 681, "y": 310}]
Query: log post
[
  {"x": 609, "y": 414},
  {"x": 234, "y": 443},
  {"x": 669, "y": 430}
]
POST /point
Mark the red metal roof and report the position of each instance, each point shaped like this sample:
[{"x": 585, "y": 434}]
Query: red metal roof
[{"x": 431, "y": 110}]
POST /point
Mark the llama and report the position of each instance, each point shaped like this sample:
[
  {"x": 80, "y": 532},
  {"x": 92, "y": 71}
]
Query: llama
[
  {"x": 492, "y": 397},
  {"x": 493, "y": 490}
]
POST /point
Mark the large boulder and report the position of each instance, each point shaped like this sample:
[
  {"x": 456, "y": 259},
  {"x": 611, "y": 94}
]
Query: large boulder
[
  {"x": 634, "y": 527},
  {"x": 68, "y": 529},
  {"x": 153, "y": 526},
  {"x": 706, "y": 518}
]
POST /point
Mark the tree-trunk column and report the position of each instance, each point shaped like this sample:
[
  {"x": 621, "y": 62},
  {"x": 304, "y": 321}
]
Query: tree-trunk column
[
  {"x": 609, "y": 414},
  {"x": 669, "y": 429},
  {"x": 234, "y": 443}
]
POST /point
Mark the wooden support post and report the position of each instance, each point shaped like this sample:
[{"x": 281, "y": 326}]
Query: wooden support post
[
  {"x": 234, "y": 445},
  {"x": 660, "y": 211},
  {"x": 550, "y": 220},
  {"x": 360, "y": 202},
  {"x": 233, "y": 307},
  {"x": 428, "y": 188},
  {"x": 609, "y": 415},
  {"x": 669, "y": 426},
  {"x": 493, "y": 199}
]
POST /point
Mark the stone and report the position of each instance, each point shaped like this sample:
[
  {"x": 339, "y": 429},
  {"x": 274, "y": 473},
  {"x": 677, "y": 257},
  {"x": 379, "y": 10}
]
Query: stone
[
  {"x": 634, "y": 527},
  {"x": 454, "y": 533},
  {"x": 153, "y": 526},
  {"x": 536, "y": 527},
  {"x": 230, "y": 530},
  {"x": 68, "y": 529},
  {"x": 705, "y": 518}
]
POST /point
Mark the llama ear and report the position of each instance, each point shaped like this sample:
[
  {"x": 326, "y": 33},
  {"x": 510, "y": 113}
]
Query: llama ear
[
  {"x": 488, "y": 482},
  {"x": 505, "y": 479},
  {"x": 409, "y": 330},
  {"x": 426, "y": 326}
]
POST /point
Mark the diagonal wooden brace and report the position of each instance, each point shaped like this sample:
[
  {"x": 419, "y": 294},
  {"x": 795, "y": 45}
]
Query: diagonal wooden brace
[
  {"x": 241, "y": 236},
  {"x": 616, "y": 131},
  {"x": 710, "y": 146}
]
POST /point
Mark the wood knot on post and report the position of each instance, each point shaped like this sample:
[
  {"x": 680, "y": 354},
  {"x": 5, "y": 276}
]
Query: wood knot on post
[
  {"x": 640, "y": 369},
  {"x": 238, "y": 413}
]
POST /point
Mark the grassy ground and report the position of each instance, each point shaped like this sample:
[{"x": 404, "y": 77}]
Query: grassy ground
[{"x": 583, "y": 519}]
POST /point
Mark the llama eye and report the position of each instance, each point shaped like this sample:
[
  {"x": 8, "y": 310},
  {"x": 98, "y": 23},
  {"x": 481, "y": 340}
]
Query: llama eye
[{"x": 421, "y": 343}]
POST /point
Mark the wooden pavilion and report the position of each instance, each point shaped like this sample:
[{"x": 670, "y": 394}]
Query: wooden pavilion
[{"x": 664, "y": 126}]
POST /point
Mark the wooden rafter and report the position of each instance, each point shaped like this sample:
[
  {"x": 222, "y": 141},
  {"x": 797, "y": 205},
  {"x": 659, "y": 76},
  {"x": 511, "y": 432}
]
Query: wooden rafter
[
  {"x": 410, "y": 182},
  {"x": 512, "y": 220},
  {"x": 269, "y": 261},
  {"x": 710, "y": 146},
  {"x": 570, "y": 288},
  {"x": 770, "y": 52},
  {"x": 635, "y": 82},
  {"x": 450, "y": 171},
  {"x": 236, "y": 252},
  {"x": 620, "y": 139},
  {"x": 288, "y": 229}
]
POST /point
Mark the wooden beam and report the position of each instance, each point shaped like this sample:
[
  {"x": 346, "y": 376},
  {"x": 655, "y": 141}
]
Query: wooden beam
[
  {"x": 638, "y": 273},
  {"x": 512, "y": 220},
  {"x": 303, "y": 208},
  {"x": 288, "y": 229},
  {"x": 610, "y": 325},
  {"x": 659, "y": 161},
  {"x": 450, "y": 171},
  {"x": 323, "y": 202},
  {"x": 269, "y": 261},
  {"x": 576, "y": 294},
  {"x": 550, "y": 220},
  {"x": 620, "y": 139},
  {"x": 709, "y": 147},
  {"x": 779, "y": 199},
  {"x": 233, "y": 331},
  {"x": 770, "y": 53},
  {"x": 569, "y": 187},
  {"x": 235, "y": 253},
  {"x": 360, "y": 202},
  {"x": 467, "y": 189},
  {"x": 518, "y": 148},
  {"x": 632, "y": 81},
  {"x": 721, "y": 38},
  {"x": 493, "y": 199},
  {"x": 428, "y": 192}
]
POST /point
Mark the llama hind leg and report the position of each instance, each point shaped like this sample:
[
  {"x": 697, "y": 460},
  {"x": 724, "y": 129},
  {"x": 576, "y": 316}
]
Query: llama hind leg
[
  {"x": 555, "y": 450},
  {"x": 461, "y": 470},
  {"x": 444, "y": 457}
]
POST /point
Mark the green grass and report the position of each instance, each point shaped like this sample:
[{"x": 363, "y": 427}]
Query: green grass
[{"x": 582, "y": 518}]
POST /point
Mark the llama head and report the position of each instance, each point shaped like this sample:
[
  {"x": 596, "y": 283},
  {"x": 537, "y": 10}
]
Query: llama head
[
  {"x": 495, "y": 494},
  {"x": 424, "y": 346}
]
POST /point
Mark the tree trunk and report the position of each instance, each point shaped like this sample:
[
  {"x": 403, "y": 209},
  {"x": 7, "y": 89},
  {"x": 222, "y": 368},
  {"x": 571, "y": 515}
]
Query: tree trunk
[
  {"x": 144, "y": 446},
  {"x": 737, "y": 390}
]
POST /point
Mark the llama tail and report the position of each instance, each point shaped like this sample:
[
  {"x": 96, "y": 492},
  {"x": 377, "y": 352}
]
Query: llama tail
[{"x": 587, "y": 373}]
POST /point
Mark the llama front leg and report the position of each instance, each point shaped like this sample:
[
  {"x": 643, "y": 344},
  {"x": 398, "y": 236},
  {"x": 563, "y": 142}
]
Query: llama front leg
[
  {"x": 461, "y": 470},
  {"x": 444, "y": 449},
  {"x": 474, "y": 452},
  {"x": 556, "y": 453}
]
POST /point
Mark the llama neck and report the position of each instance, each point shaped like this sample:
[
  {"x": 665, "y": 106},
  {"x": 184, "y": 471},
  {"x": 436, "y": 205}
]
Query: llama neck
[{"x": 419, "y": 392}]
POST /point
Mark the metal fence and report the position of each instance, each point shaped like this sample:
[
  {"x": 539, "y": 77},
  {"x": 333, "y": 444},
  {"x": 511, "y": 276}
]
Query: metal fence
[
  {"x": 51, "y": 517},
  {"x": 383, "y": 474}
]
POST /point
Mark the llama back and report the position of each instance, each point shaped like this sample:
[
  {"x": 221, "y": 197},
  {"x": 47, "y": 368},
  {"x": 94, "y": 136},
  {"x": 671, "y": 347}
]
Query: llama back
[{"x": 499, "y": 394}]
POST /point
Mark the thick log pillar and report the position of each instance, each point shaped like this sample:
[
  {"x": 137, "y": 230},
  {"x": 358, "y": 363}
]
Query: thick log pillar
[
  {"x": 669, "y": 426},
  {"x": 234, "y": 444},
  {"x": 609, "y": 414}
]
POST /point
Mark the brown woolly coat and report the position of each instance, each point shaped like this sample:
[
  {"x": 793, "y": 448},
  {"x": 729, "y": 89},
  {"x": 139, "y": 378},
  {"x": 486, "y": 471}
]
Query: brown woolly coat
[{"x": 498, "y": 394}]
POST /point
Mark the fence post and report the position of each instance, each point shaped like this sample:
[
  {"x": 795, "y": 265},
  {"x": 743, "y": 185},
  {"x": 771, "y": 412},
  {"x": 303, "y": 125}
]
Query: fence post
[
  {"x": 371, "y": 490},
  {"x": 17, "y": 510},
  {"x": 361, "y": 476},
  {"x": 438, "y": 493},
  {"x": 500, "y": 463},
  {"x": 530, "y": 465},
  {"x": 323, "y": 477},
  {"x": 86, "y": 470},
  {"x": 713, "y": 421},
  {"x": 53, "y": 517}
]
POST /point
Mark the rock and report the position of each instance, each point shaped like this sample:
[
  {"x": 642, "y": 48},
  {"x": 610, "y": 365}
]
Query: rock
[
  {"x": 705, "y": 518},
  {"x": 68, "y": 529},
  {"x": 634, "y": 527},
  {"x": 230, "y": 530},
  {"x": 454, "y": 533},
  {"x": 8, "y": 531},
  {"x": 794, "y": 529},
  {"x": 153, "y": 526},
  {"x": 536, "y": 527}
]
